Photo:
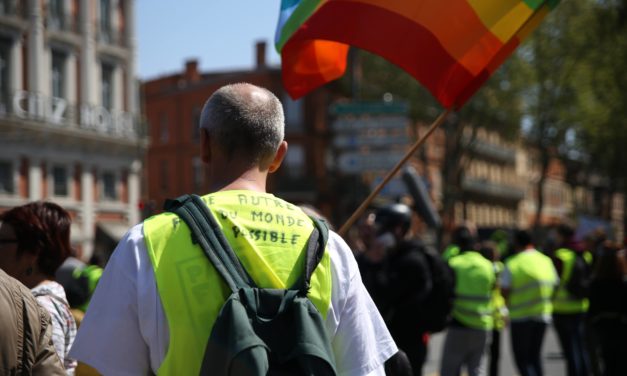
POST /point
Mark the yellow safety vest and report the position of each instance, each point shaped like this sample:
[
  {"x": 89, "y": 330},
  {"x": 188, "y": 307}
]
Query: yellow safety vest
[
  {"x": 533, "y": 282},
  {"x": 267, "y": 234},
  {"x": 474, "y": 282},
  {"x": 563, "y": 301},
  {"x": 450, "y": 252}
]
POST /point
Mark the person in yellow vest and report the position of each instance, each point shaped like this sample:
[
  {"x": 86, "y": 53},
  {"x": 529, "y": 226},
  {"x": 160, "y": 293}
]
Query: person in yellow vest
[
  {"x": 156, "y": 302},
  {"x": 463, "y": 235},
  {"x": 569, "y": 304},
  {"x": 490, "y": 250},
  {"x": 468, "y": 333},
  {"x": 528, "y": 282}
]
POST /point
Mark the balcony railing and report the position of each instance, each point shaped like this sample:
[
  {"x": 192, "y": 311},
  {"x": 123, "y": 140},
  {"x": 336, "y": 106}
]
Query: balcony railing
[
  {"x": 61, "y": 24},
  {"x": 494, "y": 151},
  {"x": 487, "y": 188},
  {"x": 110, "y": 36},
  {"x": 491, "y": 151}
]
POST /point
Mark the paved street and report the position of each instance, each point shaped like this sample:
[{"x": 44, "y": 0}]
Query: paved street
[{"x": 551, "y": 356}]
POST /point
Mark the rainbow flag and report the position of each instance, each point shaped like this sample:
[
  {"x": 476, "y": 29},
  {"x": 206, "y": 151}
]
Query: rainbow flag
[{"x": 450, "y": 46}]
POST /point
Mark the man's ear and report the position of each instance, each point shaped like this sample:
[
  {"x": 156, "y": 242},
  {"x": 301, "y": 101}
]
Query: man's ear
[
  {"x": 205, "y": 146},
  {"x": 278, "y": 157}
]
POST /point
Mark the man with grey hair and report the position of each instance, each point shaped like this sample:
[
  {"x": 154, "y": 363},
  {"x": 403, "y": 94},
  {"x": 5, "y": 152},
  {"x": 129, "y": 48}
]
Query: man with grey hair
[{"x": 158, "y": 298}]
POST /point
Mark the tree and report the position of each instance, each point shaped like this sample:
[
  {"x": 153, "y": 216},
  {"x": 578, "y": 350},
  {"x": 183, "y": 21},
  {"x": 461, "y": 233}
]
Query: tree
[
  {"x": 602, "y": 94},
  {"x": 550, "y": 60}
]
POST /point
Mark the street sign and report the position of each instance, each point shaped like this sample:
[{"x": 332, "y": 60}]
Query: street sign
[
  {"x": 354, "y": 141},
  {"x": 364, "y": 123},
  {"x": 369, "y": 108},
  {"x": 353, "y": 162}
]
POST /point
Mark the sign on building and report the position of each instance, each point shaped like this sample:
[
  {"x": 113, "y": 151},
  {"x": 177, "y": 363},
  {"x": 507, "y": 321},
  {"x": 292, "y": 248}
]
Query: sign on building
[{"x": 57, "y": 111}]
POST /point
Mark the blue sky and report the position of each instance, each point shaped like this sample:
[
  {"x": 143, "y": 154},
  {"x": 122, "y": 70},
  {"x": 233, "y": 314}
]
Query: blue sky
[{"x": 221, "y": 34}]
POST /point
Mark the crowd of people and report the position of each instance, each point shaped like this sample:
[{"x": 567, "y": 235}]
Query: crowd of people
[
  {"x": 370, "y": 308},
  {"x": 503, "y": 281}
]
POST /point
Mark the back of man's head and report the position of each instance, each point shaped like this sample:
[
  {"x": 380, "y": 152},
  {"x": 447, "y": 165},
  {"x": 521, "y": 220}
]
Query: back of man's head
[
  {"x": 522, "y": 239},
  {"x": 246, "y": 121},
  {"x": 464, "y": 237},
  {"x": 566, "y": 231}
]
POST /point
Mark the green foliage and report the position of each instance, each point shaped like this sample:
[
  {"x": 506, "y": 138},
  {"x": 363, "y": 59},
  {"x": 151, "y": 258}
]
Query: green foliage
[
  {"x": 498, "y": 104},
  {"x": 602, "y": 92},
  {"x": 378, "y": 77},
  {"x": 551, "y": 62}
]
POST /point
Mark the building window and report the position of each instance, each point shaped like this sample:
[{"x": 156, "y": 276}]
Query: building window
[
  {"x": 107, "y": 86},
  {"x": 60, "y": 184},
  {"x": 197, "y": 174},
  {"x": 7, "y": 7},
  {"x": 293, "y": 114},
  {"x": 5, "y": 63},
  {"x": 58, "y": 74},
  {"x": 109, "y": 186},
  {"x": 105, "y": 21},
  {"x": 6, "y": 178},
  {"x": 164, "y": 132},
  {"x": 196, "y": 123},
  {"x": 55, "y": 14},
  {"x": 295, "y": 161}
]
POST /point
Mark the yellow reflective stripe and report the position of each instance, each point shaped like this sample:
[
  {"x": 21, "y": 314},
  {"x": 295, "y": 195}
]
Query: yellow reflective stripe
[
  {"x": 474, "y": 298},
  {"x": 530, "y": 303},
  {"x": 568, "y": 299},
  {"x": 533, "y": 284},
  {"x": 473, "y": 312}
]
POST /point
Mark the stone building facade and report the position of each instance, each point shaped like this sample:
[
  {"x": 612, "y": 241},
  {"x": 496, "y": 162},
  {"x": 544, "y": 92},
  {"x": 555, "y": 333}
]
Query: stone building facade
[{"x": 68, "y": 114}]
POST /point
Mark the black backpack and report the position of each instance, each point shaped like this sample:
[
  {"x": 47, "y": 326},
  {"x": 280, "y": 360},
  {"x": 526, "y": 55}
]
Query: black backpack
[
  {"x": 439, "y": 303},
  {"x": 578, "y": 284},
  {"x": 259, "y": 331}
]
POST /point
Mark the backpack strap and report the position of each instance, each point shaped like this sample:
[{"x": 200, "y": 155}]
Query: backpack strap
[
  {"x": 315, "y": 250},
  {"x": 206, "y": 232}
]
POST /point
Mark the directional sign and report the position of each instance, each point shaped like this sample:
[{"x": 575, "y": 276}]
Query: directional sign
[
  {"x": 352, "y": 162},
  {"x": 354, "y": 141},
  {"x": 364, "y": 123},
  {"x": 369, "y": 108}
]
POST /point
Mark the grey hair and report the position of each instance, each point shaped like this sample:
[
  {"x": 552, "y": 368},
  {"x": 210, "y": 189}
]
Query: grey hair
[{"x": 244, "y": 120}]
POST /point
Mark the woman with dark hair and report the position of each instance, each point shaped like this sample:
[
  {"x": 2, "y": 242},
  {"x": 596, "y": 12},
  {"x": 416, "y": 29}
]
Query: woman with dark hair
[
  {"x": 35, "y": 240},
  {"x": 608, "y": 308}
]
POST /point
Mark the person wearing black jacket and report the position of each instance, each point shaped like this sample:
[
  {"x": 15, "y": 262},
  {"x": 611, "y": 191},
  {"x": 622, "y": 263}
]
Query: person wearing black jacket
[
  {"x": 397, "y": 274},
  {"x": 608, "y": 308}
]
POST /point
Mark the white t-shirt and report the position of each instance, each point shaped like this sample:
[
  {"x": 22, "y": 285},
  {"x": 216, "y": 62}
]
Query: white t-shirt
[{"x": 125, "y": 331}]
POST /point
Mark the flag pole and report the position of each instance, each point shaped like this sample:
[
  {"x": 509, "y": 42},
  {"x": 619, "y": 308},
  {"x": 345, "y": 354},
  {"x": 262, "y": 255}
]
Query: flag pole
[{"x": 440, "y": 119}]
